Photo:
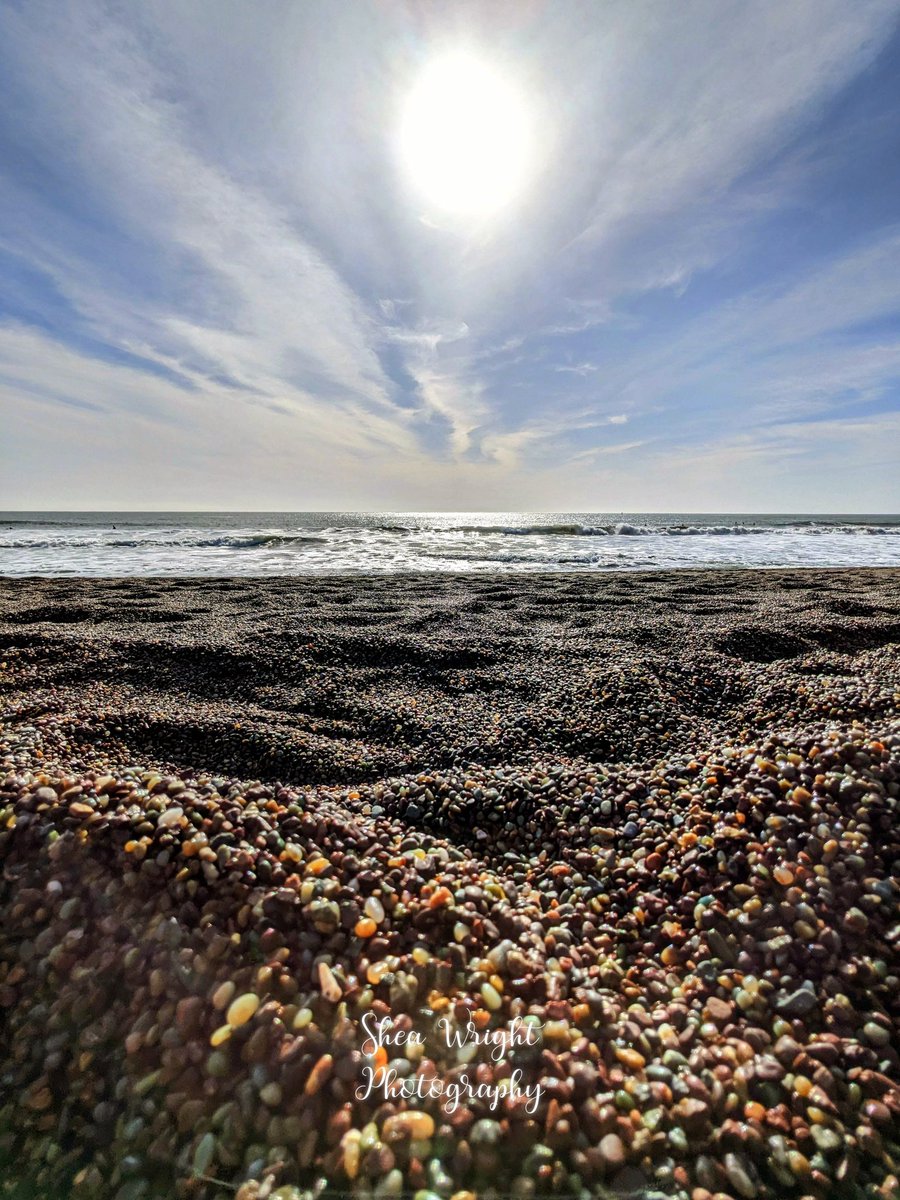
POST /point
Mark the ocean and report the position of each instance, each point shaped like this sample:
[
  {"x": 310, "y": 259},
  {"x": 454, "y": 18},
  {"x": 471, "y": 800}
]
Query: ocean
[{"x": 314, "y": 543}]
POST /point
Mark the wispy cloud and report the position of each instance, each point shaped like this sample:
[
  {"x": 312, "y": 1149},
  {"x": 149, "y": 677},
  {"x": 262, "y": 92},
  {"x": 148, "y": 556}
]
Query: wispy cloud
[{"x": 243, "y": 293}]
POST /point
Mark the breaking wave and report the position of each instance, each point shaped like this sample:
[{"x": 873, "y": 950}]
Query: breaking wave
[
  {"x": 120, "y": 544},
  {"x": 624, "y": 529}
]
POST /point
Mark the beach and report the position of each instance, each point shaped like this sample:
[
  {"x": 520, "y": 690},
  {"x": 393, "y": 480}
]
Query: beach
[
  {"x": 651, "y": 815},
  {"x": 450, "y": 600}
]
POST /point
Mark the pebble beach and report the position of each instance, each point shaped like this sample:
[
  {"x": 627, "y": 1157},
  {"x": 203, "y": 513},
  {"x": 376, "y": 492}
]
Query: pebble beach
[{"x": 652, "y": 818}]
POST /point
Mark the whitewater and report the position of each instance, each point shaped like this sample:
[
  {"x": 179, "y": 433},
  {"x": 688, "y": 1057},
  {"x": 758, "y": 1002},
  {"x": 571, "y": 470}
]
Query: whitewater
[{"x": 128, "y": 543}]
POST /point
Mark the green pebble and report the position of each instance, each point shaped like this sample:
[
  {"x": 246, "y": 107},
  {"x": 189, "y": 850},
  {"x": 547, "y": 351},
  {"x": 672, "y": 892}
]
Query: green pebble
[
  {"x": 217, "y": 1065},
  {"x": 673, "y": 1059},
  {"x": 826, "y": 1139},
  {"x": 678, "y": 1140},
  {"x": 143, "y": 1086},
  {"x": 204, "y": 1153},
  {"x": 877, "y": 1035},
  {"x": 391, "y": 1184}
]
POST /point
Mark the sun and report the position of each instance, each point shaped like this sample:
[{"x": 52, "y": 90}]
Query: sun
[{"x": 465, "y": 137}]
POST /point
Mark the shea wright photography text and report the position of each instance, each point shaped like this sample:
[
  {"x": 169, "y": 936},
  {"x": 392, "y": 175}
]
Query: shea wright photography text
[{"x": 499, "y": 1043}]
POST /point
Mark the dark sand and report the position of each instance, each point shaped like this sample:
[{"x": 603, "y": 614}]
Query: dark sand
[
  {"x": 656, "y": 811},
  {"x": 345, "y": 679}
]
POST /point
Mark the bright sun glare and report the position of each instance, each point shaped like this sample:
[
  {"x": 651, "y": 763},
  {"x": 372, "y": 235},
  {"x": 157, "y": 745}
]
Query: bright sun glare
[{"x": 464, "y": 137}]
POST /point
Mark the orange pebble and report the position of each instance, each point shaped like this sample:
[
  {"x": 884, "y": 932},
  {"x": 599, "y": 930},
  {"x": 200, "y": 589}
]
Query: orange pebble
[
  {"x": 630, "y": 1058},
  {"x": 375, "y": 972},
  {"x": 365, "y": 928}
]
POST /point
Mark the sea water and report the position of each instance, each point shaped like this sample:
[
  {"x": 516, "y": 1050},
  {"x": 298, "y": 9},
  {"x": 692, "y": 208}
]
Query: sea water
[{"x": 314, "y": 543}]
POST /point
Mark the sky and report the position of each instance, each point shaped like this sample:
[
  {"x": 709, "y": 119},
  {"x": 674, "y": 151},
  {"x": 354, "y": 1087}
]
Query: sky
[{"x": 224, "y": 284}]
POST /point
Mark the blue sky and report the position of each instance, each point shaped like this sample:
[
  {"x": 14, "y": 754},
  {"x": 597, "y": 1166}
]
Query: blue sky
[{"x": 218, "y": 288}]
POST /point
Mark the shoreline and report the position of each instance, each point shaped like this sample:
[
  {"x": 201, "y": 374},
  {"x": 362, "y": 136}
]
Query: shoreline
[
  {"x": 654, "y": 813},
  {"x": 473, "y": 574}
]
